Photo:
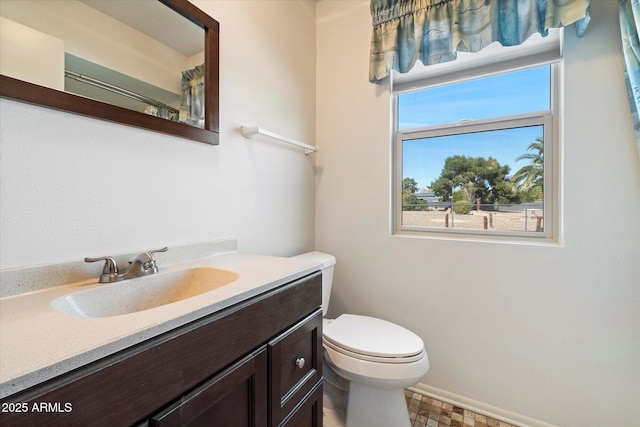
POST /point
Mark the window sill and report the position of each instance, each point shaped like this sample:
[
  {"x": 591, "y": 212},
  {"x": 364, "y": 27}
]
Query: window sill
[{"x": 480, "y": 237}]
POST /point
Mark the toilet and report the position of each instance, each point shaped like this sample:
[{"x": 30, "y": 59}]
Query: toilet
[{"x": 368, "y": 363}]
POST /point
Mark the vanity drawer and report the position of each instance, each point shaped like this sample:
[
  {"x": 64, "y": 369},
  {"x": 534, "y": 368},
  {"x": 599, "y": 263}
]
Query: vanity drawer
[{"x": 295, "y": 360}]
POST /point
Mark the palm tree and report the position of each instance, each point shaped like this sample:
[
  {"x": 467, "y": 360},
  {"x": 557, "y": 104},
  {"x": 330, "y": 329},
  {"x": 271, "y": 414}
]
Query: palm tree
[{"x": 531, "y": 175}]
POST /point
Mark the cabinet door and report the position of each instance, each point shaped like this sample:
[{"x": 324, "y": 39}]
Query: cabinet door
[
  {"x": 309, "y": 413},
  {"x": 237, "y": 397},
  {"x": 295, "y": 361}
]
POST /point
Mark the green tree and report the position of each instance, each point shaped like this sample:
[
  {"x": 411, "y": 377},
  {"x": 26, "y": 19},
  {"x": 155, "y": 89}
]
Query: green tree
[
  {"x": 410, "y": 185},
  {"x": 529, "y": 179},
  {"x": 410, "y": 201},
  {"x": 474, "y": 177},
  {"x": 505, "y": 193}
]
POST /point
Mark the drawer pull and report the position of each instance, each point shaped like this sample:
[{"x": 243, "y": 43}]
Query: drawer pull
[{"x": 299, "y": 362}]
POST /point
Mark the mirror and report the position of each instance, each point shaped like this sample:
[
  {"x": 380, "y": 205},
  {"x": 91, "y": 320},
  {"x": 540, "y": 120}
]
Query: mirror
[{"x": 159, "y": 72}]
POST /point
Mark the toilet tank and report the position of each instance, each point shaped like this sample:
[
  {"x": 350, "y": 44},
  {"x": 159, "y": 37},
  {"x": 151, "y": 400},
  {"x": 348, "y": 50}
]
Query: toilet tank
[{"x": 327, "y": 264}]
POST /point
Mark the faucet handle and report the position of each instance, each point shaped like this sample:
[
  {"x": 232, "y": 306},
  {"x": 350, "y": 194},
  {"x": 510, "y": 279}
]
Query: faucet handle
[
  {"x": 148, "y": 261},
  {"x": 165, "y": 249},
  {"x": 149, "y": 255},
  {"x": 109, "y": 271}
]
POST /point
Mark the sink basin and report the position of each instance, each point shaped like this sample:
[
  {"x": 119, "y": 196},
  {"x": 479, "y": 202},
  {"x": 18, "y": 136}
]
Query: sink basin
[{"x": 143, "y": 293}]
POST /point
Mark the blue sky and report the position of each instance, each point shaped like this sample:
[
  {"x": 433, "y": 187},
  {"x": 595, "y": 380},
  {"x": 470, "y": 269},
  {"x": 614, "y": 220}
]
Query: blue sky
[{"x": 503, "y": 95}]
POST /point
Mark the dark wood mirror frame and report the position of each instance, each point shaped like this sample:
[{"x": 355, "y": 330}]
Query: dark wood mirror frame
[{"x": 46, "y": 97}]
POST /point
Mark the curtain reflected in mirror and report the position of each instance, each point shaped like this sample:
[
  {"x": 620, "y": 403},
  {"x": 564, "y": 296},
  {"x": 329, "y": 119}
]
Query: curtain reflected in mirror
[{"x": 193, "y": 96}]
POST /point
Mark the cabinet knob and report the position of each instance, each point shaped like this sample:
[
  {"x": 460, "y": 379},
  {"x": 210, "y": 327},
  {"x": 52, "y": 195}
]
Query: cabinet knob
[{"x": 299, "y": 362}]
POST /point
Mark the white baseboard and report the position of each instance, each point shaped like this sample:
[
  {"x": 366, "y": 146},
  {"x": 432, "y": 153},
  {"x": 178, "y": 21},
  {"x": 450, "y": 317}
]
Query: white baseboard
[{"x": 477, "y": 407}]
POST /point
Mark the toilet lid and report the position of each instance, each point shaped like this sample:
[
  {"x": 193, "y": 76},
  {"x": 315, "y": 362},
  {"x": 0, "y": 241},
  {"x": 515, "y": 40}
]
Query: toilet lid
[{"x": 369, "y": 336}]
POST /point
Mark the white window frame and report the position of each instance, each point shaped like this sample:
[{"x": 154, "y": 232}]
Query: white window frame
[{"x": 552, "y": 189}]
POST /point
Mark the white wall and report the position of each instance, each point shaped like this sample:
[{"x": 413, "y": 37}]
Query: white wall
[
  {"x": 73, "y": 186},
  {"x": 30, "y": 55},
  {"x": 547, "y": 333}
]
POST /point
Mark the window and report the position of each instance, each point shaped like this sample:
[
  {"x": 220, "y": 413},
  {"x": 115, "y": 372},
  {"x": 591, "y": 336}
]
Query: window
[{"x": 477, "y": 157}]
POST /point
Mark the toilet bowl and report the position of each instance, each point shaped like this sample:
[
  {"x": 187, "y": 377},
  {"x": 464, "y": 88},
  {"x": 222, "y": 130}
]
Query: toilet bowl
[{"x": 368, "y": 362}]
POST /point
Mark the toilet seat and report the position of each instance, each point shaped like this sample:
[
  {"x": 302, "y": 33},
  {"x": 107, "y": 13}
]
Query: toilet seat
[{"x": 371, "y": 339}]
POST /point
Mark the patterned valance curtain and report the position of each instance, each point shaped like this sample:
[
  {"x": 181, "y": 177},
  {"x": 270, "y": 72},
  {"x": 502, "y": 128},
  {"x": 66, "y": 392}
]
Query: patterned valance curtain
[
  {"x": 434, "y": 30},
  {"x": 629, "y": 24}
]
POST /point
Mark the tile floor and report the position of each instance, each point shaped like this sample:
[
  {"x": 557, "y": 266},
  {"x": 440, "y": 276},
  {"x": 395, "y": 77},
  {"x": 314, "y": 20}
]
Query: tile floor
[{"x": 427, "y": 412}]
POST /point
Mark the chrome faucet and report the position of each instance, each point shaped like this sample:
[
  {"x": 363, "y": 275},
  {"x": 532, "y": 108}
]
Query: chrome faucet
[{"x": 143, "y": 265}]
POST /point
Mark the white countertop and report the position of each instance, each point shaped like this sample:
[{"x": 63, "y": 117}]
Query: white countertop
[{"x": 38, "y": 343}]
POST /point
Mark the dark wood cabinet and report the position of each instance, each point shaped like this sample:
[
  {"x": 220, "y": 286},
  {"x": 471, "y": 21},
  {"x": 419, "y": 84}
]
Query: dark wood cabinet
[
  {"x": 308, "y": 413},
  {"x": 295, "y": 358},
  {"x": 235, "y": 367},
  {"x": 235, "y": 397}
]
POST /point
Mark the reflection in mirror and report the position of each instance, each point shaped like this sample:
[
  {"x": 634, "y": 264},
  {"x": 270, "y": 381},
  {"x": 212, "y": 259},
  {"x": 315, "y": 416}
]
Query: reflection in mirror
[
  {"x": 135, "y": 54},
  {"x": 151, "y": 74},
  {"x": 94, "y": 81}
]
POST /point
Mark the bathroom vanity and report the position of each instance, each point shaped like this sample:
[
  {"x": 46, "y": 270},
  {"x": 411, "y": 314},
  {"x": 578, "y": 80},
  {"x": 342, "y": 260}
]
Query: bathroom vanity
[{"x": 255, "y": 360}]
